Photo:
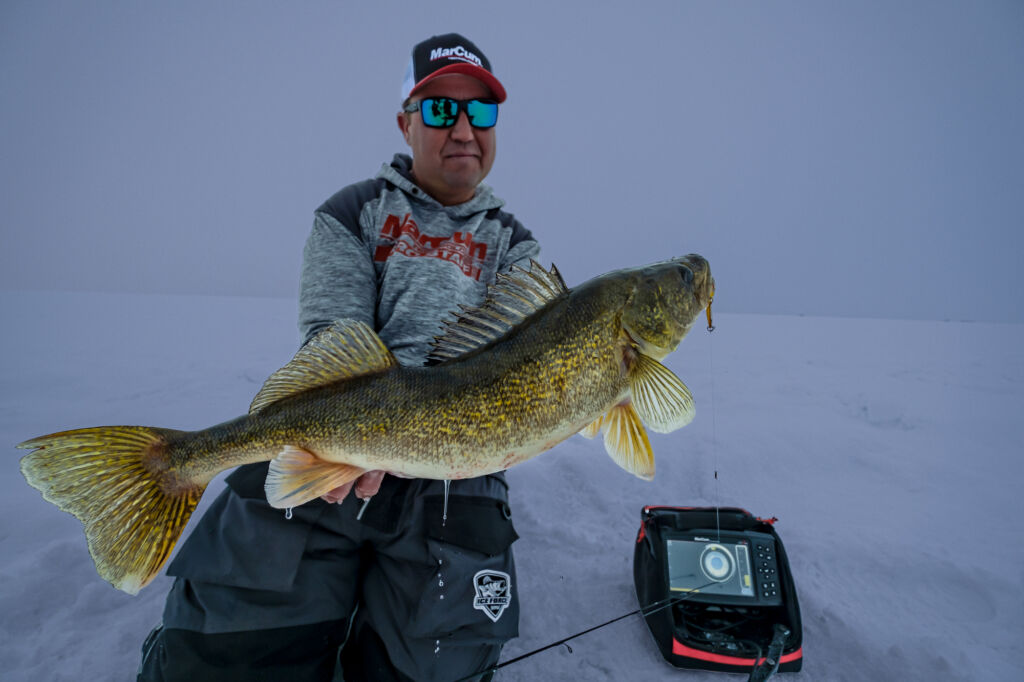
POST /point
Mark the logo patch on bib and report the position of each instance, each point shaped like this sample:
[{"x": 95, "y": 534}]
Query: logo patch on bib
[{"x": 493, "y": 593}]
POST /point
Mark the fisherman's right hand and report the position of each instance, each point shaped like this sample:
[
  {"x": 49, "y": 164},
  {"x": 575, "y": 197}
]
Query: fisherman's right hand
[{"x": 366, "y": 486}]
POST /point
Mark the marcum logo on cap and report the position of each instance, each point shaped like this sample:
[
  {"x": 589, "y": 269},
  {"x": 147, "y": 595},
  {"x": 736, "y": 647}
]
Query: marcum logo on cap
[{"x": 458, "y": 53}]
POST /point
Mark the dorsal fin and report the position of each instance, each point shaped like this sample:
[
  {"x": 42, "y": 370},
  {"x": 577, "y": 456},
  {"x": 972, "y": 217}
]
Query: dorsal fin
[
  {"x": 346, "y": 349},
  {"x": 512, "y": 298}
]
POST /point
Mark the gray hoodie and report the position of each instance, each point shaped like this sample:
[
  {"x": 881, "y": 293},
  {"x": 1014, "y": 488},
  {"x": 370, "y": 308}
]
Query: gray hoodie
[{"x": 384, "y": 252}]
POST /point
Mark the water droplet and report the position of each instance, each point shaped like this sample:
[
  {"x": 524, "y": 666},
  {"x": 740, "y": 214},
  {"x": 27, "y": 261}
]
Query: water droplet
[
  {"x": 440, "y": 583},
  {"x": 288, "y": 513},
  {"x": 359, "y": 516},
  {"x": 442, "y": 596},
  {"x": 444, "y": 515}
]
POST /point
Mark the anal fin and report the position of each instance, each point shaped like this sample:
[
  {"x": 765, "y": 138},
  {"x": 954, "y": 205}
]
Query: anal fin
[
  {"x": 297, "y": 476},
  {"x": 626, "y": 441}
]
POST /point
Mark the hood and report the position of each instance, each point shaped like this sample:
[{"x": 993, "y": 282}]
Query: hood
[{"x": 399, "y": 174}]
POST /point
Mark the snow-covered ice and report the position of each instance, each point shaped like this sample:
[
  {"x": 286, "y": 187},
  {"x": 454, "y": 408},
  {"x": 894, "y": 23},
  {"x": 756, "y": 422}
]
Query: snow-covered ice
[{"x": 889, "y": 450}]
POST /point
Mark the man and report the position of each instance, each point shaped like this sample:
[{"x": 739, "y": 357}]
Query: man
[{"x": 418, "y": 584}]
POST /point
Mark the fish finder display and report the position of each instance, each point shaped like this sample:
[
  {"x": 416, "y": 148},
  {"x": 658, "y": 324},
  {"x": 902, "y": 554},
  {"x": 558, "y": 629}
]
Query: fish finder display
[{"x": 709, "y": 567}]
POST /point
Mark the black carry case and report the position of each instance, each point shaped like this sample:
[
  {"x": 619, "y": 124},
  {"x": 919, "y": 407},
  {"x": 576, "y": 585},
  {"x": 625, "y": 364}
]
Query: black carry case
[{"x": 720, "y": 625}]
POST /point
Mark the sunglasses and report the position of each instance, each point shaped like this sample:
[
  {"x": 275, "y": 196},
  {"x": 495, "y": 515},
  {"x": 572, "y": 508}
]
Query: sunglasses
[{"x": 443, "y": 112}]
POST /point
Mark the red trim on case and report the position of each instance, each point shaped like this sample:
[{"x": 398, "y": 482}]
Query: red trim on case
[
  {"x": 680, "y": 649},
  {"x": 662, "y": 506}
]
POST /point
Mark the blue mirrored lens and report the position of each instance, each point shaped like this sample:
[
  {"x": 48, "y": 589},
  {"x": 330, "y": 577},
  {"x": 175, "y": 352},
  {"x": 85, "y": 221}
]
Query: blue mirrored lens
[
  {"x": 439, "y": 112},
  {"x": 443, "y": 112},
  {"x": 482, "y": 114}
]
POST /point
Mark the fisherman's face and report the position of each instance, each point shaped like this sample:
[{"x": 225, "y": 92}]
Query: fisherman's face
[{"x": 449, "y": 162}]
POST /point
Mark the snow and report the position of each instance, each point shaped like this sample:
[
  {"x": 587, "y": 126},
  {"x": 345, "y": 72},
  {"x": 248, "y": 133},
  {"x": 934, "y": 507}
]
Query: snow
[{"x": 889, "y": 450}]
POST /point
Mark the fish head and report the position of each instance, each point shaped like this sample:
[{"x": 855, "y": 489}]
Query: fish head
[{"x": 667, "y": 298}]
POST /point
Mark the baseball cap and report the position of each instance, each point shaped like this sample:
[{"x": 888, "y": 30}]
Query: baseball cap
[{"x": 448, "y": 53}]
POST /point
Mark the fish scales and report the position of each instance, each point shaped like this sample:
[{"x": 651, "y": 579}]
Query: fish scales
[
  {"x": 446, "y": 419},
  {"x": 549, "y": 362}
]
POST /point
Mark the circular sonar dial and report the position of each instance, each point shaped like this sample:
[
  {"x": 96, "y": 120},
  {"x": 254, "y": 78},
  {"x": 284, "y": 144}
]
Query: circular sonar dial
[{"x": 716, "y": 563}]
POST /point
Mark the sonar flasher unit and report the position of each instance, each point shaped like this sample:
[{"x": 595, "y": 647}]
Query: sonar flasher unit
[{"x": 716, "y": 591}]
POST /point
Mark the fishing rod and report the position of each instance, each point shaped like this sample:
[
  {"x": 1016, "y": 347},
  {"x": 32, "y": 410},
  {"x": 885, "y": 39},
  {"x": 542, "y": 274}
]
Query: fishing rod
[
  {"x": 644, "y": 611},
  {"x": 737, "y": 617}
]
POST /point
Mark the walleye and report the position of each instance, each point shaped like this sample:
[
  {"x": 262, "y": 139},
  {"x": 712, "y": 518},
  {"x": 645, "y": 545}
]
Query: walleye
[{"x": 534, "y": 364}]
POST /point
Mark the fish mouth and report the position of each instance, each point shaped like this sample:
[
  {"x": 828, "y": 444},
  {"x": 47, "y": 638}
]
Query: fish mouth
[{"x": 697, "y": 276}]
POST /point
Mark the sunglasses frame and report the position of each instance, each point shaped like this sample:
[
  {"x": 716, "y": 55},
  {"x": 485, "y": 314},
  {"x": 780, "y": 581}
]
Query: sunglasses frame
[{"x": 460, "y": 106}]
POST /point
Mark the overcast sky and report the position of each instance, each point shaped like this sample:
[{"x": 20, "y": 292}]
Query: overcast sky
[{"x": 829, "y": 158}]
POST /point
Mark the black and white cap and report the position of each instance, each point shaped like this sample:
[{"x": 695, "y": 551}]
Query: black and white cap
[{"x": 450, "y": 53}]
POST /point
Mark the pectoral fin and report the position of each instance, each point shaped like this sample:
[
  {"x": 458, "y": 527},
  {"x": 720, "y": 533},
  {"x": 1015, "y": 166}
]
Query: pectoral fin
[
  {"x": 662, "y": 400},
  {"x": 626, "y": 441},
  {"x": 297, "y": 476}
]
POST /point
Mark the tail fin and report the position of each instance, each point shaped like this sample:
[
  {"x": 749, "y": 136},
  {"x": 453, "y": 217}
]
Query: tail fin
[{"x": 117, "y": 481}]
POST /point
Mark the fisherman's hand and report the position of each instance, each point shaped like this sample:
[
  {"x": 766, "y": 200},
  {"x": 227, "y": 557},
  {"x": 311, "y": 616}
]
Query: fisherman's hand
[{"x": 365, "y": 486}]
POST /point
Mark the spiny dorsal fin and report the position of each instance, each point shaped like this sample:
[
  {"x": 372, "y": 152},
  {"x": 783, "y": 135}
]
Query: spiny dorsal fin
[
  {"x": 346, "y": 349},
  {"x": 662, "y": 400},
  {"x": 512, "y": 298}
]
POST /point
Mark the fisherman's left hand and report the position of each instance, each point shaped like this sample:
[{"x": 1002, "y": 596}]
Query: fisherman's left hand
[{"x": 366, "y": 486}]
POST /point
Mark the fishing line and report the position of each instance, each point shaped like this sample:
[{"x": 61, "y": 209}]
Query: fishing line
[
  {"x": 645, "y": 611},
  {"x": 669, "y": 601},
  {"x": 714, "y": 425}
]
